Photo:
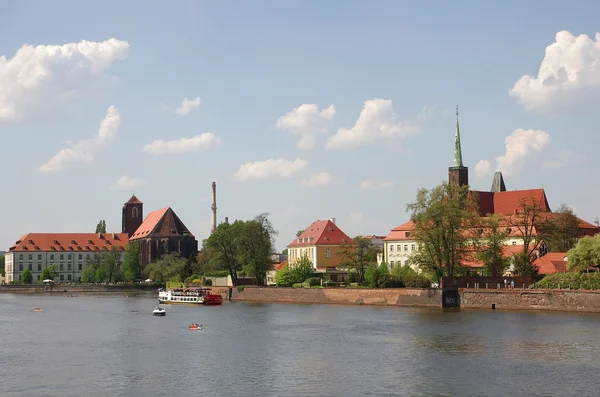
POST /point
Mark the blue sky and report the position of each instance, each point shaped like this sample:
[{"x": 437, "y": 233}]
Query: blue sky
[{"x": 253, "y": 65}]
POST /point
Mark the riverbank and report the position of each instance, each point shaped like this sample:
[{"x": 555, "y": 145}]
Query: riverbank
[
  {"x": 508, "y": 299},
  {"x": 66, "y": 288}
]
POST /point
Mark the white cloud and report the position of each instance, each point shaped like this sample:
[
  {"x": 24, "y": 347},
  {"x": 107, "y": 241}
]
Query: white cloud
[
  {"x": 374, "y": 185},
  {"x": 127, "y": 183},
  {"x": 83, "y": 151},
  {"x": 321, "y": 179},
  {"x": 272, "y": 168},
  {"x": 187, "y": 105},
  {"x": 519, "y": 145},
  {"x": 46, "y": 75},
  {"x": 483, "y": 169},
  {"x": 377, "y": 122},
  {"x": 204, "y": 141},
  {"x": 570, "y": 68},
  {"x": 307, "y": 121},
  {"x": 560, "y": 159}
]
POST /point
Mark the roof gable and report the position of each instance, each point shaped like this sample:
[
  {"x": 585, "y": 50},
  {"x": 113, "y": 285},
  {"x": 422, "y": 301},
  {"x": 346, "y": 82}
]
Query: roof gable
[
  {"x": 133, "y": 200},
  {"x": 507, "y": 202},
  {"x": 70, "y": 242},
  {"x": 321, "y": 233},
  {"x": 161, "y": 223}
]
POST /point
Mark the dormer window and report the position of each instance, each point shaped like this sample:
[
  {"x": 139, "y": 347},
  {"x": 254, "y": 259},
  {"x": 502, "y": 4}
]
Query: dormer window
[
  {"x": 56, "y": 242},
  {"x": 73, "y": 242},
  {"x": 30, "y": 242},
  {"x": 407, "y": 234}
]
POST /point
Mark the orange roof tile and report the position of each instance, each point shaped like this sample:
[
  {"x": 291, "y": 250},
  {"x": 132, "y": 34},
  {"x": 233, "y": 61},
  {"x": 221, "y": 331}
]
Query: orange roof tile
[
  {"x": 161, "y": 223},
  {"x": 63, "y": 241},
  {"x": 321, "y": 233},
  {"x": 279, "y": 266},
  {"x": 399, "y": 233},
  {"x": 552, "y": 262},
  {"x": 507, "y": 202}
]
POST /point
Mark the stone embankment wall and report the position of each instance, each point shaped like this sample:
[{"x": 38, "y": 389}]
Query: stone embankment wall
[
  {"x": 527, "y": 299},
  {"x": 352, "y": 296}
]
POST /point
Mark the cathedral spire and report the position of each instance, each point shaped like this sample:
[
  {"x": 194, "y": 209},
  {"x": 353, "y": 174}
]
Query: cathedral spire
[{"x": 457, "y": 150}]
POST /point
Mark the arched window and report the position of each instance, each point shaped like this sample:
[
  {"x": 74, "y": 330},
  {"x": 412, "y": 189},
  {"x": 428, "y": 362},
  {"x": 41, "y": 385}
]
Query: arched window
[{"x": 134, "y": 213}]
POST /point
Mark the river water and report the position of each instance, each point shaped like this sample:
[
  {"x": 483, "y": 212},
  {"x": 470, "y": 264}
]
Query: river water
[{"x": 112, "y": 346}]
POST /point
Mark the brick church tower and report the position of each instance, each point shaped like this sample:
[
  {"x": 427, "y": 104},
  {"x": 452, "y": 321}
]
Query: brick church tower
[
  {"x": 458, "y": 174},
  {"x": 133, "y": 215}
]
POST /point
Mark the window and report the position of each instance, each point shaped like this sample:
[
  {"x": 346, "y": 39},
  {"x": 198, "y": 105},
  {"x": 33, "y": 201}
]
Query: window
[
  {"x": 39, "y": 276},
  {"x": 80, "y": 266},
  {"x": 39, "y": 266},
  {"x": 398, "y": 247},
  {"x": 80, "y": 256},
  {"x": 61, "y": 267},
  {"x": 391, "y": 247},
  {"x": 327, "y": 253},
  {"x": 20, "y": 256},
  {"x": 39, "y": 257},
  {"x": 405, "y": 247},
  {"x": 69, "y": 256},
  {"x": 62, "y": 277},
  {"x": 20, "y": 267},
  {"x": 412, "y": 247},
  {"x": 52, "y": 257},
  {"x": 407, "y": 234},
  {"x": 69, "y": 266},
  {"x": 69, "y": 277},
  {"x": 508, "y": 230},
  {"x": 514, "y": 243},
  {"x": 30, "y": 257},
  {"x": 62, "y": 256},
  {"x": 134, "y": 213},
  {"x": 391, "y": 264}
]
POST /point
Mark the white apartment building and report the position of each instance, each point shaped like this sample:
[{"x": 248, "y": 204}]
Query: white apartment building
[{"x": 69, "y": 252}]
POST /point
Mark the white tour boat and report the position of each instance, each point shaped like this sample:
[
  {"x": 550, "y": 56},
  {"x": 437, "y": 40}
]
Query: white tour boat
[{"x": 189, "y": 295}]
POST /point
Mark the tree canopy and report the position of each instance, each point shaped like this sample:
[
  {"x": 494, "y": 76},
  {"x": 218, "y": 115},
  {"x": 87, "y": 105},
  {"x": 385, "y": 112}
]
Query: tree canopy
[
  {"x": 358, "y": 254},
  {"x": 170, "y": 267},
  {"x": 131, "y": 261},
  {"x": 243, "y": 246},
  {"x": 561, "y": 230},
  {"x": 49, "y": 272},
  {"x": 101, "y": 227},
  {"x": 440, "y": 216},
  {"x": 585, "y": 254},
  {"x": 491, "y": 248}
]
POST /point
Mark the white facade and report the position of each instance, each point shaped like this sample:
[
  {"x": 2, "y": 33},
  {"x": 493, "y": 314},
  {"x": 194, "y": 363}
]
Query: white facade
[
  {"x": 397, "y": 253},
  {"x": 69, "y": 265}
]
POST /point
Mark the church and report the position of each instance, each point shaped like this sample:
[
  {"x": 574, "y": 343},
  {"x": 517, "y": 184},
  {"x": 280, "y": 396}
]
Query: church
[{"x": 162, "y": 232}]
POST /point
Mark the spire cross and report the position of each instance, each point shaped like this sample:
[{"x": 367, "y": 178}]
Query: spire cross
[{"x": 456, "y": 110}]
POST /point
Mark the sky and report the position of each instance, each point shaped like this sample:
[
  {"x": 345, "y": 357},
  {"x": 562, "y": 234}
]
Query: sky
[{"x": 305, "y": 110}]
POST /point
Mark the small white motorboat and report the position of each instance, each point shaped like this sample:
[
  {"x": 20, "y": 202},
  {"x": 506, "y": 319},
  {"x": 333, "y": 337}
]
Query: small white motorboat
[{"x": 159, "y": 311}]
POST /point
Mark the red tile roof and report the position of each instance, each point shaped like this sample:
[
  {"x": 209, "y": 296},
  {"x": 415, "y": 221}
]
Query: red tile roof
[
  {"x": 70, "y": 242},
  {"x": 506, "y": 203},
  {"x": 134, "y": 200},
  {"x": 161, "y": 223},
  {"x": 552, "y": 262},
  {"x": 279, "y": 266},
  {"x": 507, "y": 251},
  {"x": 321, "y": 233},
  {"x": 399, "y": 233}
]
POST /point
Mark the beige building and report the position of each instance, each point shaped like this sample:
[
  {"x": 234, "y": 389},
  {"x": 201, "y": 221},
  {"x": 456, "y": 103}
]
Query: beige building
[{"x": 69, "y": 252}]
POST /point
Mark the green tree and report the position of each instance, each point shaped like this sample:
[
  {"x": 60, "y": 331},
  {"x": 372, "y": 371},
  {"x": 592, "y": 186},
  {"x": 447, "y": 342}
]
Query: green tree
[
  {"x": 131, "y": 261},
  {"x": 112, "y": 265},
  {"x": 493, "y": 236},
  {"x": 2, "y": 264},
  {"x": 101, "y": 227},
  {"x": 222, "y": 247},
  {"x": 302, "y": 269},
  {"x": 299, "y": 232},
  {"x": 170, "y": 267},
  {"x": 373, "y": 273},
  {"x": 26, "y": 277},
  {"x": 255, "y": 247},
  {"x": 561, "y": 229},
  {"x": 585, "y": 254},
  {"x": 441, "y": 215},
  {"x": 100, "y": 275},
  {"x": 526, "y": 225},
  {"x": 88, "y": 275},
  {"x": 358, "y": 254},
  {"x": 49, "y": 272}
]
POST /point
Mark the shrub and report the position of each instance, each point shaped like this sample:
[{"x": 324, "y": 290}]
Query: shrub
[
  {"x": 570, "y": 280},
  {"x": 373, "y": 273},
  {"x": 297, "y": 285},
  {"x": 285, "y": 278},
  {"x": 416, "y": 281},
  {"x": 331, "y": 284},
  {"x": 240, "y": 288},
  {"x": 217, "y": 273},
  {"x": 312, "y": 281},
  {"x": 390, "y": 281}
]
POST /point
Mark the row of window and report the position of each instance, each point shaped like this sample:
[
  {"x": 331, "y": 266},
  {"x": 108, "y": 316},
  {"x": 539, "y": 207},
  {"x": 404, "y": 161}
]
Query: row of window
[
  {"x": 399, "y": 247},
  {"x": 62, "y": 256},
  {"x": 39, "y": 267},
  {"x": 61, "y": 277}
]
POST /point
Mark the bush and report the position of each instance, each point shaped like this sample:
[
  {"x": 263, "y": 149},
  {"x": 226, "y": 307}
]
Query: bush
[
  {"x": 285, "y": 278},
  {"x": 390, "y": 281},
  {"x": 416, "y": 281},
  {"x": 331, "y": 284},
  {"x": 208, "y": 282},
  {"x": 217, "y": 273},
  {"x": 297, "y": 285},
  {"x": 312, "y": 281},
  {"x": 373, "y": 273},
  {"x": 570, "y": 280}
]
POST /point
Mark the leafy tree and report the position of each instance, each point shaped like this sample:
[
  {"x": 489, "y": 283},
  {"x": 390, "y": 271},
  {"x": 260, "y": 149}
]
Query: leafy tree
[
  {"x": 100, "y": 275},
  {"x": 223, "y": 247},
  {"x": 2, "y": 264},
  {"x": 285, "y": 278},
  {"x": 441, "y": 215},
  {"x": 561, "y": 229},
  {"x": 255, "y": 247},
  {"x": 373, "y": 273},
  {"x": 358, "y": 254},
  {"x": 88, "y": 275},
  {"x": 49, "y": 272},
  {"x": 526, "y": 224},
  {"x": 26, "y": 277},
  {"x": 101, "y": 227},
  {"x": 491, "y": 252},
  {"x": 112, "y": 265},
  {"x": 131, "y": 261},
  {"x": 585, "y": 254},
  {"x": 302, "y": 269},
  {"x": 169, "y": 267},
  {"x": 299, "y": 232}
]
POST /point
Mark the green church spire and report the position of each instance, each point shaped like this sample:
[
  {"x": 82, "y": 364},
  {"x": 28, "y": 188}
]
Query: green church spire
[{"x": 457, "y": 150}]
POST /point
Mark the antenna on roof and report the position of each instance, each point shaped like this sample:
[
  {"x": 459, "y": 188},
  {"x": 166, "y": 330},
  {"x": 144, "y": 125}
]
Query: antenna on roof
[{"x": 456, "y": 110}]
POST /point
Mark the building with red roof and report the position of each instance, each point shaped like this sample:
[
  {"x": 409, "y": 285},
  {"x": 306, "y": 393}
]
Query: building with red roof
[{"x": 321, "y": 243}]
